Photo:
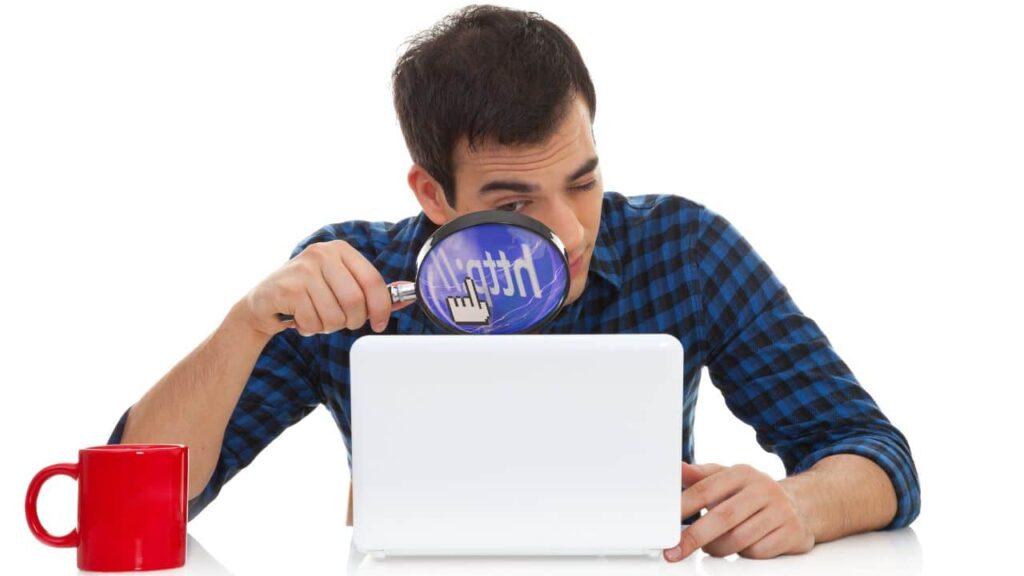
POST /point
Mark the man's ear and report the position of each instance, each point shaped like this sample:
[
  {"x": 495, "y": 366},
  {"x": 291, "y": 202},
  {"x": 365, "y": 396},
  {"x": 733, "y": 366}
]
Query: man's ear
[{"x": 430, "y": 195}]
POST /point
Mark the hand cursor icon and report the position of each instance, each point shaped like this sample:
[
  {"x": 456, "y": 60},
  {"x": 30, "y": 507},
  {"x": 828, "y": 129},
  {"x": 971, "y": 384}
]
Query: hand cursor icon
[{"x": 469, "y": 310}]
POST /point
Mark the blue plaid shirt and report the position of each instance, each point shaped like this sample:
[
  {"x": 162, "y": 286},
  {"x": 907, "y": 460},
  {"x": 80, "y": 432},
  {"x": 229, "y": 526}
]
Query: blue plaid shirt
[{"x": 661, "y": 264}]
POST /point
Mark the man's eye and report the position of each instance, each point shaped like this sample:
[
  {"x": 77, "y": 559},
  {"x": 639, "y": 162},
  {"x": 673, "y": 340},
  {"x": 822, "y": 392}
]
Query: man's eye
[
  {"x": 512, "y": 206},
  {"x": 584, "y": 187}
]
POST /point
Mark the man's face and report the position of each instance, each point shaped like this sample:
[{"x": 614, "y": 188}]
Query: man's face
[{"x": 557, "y": 182}]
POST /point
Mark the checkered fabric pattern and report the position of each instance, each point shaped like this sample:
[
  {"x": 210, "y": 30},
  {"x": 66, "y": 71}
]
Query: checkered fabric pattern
[{"x": 661, "y": 264}]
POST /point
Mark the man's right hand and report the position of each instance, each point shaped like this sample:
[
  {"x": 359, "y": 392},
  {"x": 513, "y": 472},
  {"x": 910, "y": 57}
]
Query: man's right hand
[{"x": 327, "y": 287}]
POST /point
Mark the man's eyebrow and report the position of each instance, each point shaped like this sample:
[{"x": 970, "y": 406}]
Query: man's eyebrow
[
  {"x": 587, "y": 167},
  {"x": 511, "y": 185},
  {"x": 523, "y": 188}
]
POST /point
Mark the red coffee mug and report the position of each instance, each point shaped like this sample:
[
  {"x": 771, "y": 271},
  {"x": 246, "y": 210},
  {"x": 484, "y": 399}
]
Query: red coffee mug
[{"x": 132, "y": 507}]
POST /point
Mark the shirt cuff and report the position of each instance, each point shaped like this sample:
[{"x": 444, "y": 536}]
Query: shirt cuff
[{"x": 115, "y": 436}]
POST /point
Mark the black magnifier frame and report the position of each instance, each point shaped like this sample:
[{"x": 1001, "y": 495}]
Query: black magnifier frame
[{"x": 503, "y": 217}]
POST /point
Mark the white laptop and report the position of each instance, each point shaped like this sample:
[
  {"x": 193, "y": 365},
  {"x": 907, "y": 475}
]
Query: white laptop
[{"x": 516, "y": 444}]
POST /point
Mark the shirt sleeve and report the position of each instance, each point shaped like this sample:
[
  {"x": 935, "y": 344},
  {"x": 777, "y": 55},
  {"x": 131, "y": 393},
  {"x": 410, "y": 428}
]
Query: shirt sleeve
[
  {"x": 779, "y": 373},
  {"x": 280, "y": 391}
]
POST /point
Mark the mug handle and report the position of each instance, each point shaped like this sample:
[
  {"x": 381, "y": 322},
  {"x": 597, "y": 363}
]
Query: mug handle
[{"x": 69, "y": 540}]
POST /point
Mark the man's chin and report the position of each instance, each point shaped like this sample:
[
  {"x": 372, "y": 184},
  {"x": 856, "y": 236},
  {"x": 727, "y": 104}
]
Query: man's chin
[{"x": 576, "y": 288}]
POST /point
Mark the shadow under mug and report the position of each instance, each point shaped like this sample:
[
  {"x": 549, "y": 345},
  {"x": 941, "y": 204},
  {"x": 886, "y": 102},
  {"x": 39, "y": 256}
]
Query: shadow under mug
[{"x": 132, "y": 507}]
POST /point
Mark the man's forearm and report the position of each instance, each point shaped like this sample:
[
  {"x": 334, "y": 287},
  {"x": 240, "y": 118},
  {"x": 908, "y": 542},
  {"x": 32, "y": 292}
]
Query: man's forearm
[
  {"x": 843, "y": 494},
  {"x": 191, "y": 405}
]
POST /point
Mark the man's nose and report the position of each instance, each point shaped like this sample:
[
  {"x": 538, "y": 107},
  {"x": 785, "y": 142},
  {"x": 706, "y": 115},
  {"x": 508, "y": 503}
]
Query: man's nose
[{"x": 564, "y": 223}]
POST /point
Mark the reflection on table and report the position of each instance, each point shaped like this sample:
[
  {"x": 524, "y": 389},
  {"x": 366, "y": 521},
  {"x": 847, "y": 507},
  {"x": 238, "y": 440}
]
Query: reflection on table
[
  {"x": 883, "y": 553},
  {"x": 879, "y": 553},
  {"x": 197, "y": 561}
]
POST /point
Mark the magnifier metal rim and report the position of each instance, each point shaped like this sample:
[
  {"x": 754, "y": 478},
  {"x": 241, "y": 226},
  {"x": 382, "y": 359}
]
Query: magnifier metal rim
[{"x": 493, "y": 217}]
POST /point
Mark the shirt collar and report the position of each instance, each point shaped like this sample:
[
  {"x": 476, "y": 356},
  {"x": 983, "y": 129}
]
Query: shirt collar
[
  {"x": 605, "y": 261},
  {"x": 411, "y": 240}
]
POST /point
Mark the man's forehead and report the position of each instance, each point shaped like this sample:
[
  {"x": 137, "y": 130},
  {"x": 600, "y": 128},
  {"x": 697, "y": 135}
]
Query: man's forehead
[{"x": 572, "y": 139}]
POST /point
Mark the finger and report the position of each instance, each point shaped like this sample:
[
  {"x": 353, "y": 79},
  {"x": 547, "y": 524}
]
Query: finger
[
  {"x": 754, "y": 528},
  {"x": 693, "y": 473},
  {"x": 342, "y": 286},
  {"x": 713, "y": 489},
  {"x": 307, "y": 322},
  {"x": 710, "y": 468},
  {"x": 471, "y": 290},
  {"x": 350, "y": 297},
  {"x": 726, "y": 516},
  {"x": 332, "y": 317},
  {"x": 771, "y": 545},
  {"x": 376, "y": 299}
]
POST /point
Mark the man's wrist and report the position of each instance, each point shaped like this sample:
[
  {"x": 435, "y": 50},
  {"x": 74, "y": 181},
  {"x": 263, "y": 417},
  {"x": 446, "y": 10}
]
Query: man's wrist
[
  {"x": 238, "y": 325},
  {"x": 804, "y": 491},
  {"x": 842, "y": 494}
]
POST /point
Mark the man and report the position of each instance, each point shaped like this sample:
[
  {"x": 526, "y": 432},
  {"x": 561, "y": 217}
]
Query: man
[{"x": 497, "y": 108}]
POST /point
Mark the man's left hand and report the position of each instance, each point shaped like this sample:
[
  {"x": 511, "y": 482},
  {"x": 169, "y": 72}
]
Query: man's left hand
[{"x": 748, "y": 513}]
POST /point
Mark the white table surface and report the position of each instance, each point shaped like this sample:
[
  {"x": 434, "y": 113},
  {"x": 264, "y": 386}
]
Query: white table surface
[{"x": 292, "y": 552}]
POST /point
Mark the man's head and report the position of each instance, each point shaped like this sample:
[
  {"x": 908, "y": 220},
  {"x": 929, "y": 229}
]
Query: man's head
[{"x": 497, "y": 106}]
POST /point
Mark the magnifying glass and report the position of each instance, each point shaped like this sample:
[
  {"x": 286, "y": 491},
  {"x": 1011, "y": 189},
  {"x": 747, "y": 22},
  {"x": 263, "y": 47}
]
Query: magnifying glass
[{"x": 488, "y": 272}]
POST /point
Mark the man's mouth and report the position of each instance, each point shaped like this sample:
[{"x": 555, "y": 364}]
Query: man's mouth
[{"x": 576, "y": 265}]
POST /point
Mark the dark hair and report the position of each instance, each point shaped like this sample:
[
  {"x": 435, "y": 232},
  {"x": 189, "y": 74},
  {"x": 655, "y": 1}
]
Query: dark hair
[{"x": 486, "y": 73}]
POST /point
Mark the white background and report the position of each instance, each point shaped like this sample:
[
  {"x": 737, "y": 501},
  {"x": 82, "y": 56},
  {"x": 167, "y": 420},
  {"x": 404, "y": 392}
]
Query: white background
[{"x": 157, "y": 160}]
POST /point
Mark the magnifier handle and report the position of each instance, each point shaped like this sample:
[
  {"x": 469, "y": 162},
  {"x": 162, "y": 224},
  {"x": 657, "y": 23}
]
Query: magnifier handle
[{"x": 399, "y": 293}]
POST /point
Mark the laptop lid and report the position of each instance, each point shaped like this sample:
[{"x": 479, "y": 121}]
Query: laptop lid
[{"x": 516, "y": 444}]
